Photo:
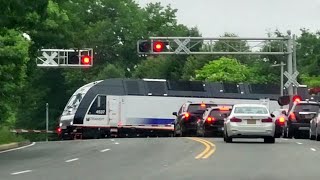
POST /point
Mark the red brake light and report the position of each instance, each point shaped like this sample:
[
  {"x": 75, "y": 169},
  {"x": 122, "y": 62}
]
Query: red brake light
[
  {"x": 292, "y": 116},
  {"x": 224, "y": 109},
  {"x": 186, "y": 115},
  {"x": 59, "y": 130},
  {"x": 234, "y": 119},
  {"x": 210, "y": 119},
  {"x": 281, "y": 120},
  {"x": 269, "y": 119},
  {"x": 203, "y": 105}
]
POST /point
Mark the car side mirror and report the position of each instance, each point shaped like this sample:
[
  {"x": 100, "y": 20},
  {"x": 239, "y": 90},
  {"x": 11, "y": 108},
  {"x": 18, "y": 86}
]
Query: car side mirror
[
  {"x": 272, "y": 115},
  {"x": 174, "y": 113}
]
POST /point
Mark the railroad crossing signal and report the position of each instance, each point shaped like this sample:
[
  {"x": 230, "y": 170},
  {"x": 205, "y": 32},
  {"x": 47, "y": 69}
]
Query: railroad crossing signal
[
  {"x": 292, "y": 79},
  {"x": 147, "y": 46},
  {"x": 192, "y": 46},
  {"x": 59, "y": 58}
]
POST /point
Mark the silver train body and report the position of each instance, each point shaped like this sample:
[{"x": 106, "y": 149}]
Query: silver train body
[{"x": 127, "y": 107}]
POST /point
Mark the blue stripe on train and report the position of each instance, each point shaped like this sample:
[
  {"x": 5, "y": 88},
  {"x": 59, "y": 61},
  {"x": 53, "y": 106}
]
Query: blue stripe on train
[{"x": 134, "y": 121}]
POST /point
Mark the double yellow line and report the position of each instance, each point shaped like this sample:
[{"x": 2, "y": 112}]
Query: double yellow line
[{"x": 210, "y": 148}]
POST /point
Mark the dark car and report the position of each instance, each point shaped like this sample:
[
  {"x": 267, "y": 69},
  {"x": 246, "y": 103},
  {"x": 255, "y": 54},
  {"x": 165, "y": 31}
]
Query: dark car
[
  {"x": 299, "y": 117},
  {"x": 185, "y": 123},
  {"x": 280, "y": 119},
  {"x": 212, "y": 122}
]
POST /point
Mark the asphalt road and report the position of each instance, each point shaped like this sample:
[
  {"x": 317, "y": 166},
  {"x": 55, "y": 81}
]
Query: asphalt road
[{"x": 163, "y": 159}]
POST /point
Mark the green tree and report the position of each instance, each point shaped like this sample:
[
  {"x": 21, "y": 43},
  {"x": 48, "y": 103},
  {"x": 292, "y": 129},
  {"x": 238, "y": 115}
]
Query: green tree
[
  {"x": 153, "y": 68},
  {"x": 308, "y": 53},
  {"x": 14, "y": 58},
  {"x": 194, "y": 63},
  {"x": 228, "y": 70}
]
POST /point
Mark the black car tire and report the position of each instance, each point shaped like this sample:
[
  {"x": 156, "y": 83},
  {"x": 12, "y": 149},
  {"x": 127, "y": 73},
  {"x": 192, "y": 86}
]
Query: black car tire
[
  {"x": 269, "y": 140},
  {"x": 284, "y": 133},
  {"x": 277, "y": 135},
  {"x": 317, "y": 136},
  {"x": 227, "y": 138},
  {"x": 289, "y": 132},
  {"x": 311, "y": 137},
  {"x": 297, "y": 135}
]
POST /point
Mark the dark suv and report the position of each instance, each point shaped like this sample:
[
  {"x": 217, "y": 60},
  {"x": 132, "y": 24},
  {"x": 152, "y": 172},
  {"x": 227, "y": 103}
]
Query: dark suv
[
  {"x": 299, "y": 117},
  {"x": 212, "y": 122},
  {"x": 187, "y": 118}
]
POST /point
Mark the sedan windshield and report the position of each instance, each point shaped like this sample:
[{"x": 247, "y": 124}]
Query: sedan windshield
[{"x": 251, "y": 110}]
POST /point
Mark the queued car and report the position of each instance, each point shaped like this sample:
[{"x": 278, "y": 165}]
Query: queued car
[
  {"x": 299, "y": 117},
  {"x": 249, "y": 121},
  {"x": 280, "y": 118},
  {"x": 187, "y": 117},
  {"x": 212, "y": 122},
  {"x": 314, "y": 133}
]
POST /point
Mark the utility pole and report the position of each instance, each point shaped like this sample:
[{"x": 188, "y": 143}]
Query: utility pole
[
  {"x": 281, "y": 76},
  {"x": 289, "y": 63},
  {"x": 294, "y": 59},
  {"x": 47, "y": 120}
]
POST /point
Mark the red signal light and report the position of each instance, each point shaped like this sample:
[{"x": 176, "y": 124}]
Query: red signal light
[
  {"x": 86, "y": 60},
  {"x": 296, "y": 99},
  {"x": 158, "y": 46},
  {"x": 186, "y": 115}
]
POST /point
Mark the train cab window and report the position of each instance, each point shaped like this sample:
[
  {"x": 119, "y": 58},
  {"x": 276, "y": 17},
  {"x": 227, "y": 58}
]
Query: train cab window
[{"x": 98, "y": 106}]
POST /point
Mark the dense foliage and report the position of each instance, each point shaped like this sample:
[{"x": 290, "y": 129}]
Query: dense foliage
[{"x": 112, "y": 28}]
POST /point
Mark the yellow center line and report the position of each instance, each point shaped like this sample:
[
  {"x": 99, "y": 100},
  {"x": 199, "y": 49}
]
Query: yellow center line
[
  {"x": 208, "y": 151},
  {"x": 213, "y": 149}
]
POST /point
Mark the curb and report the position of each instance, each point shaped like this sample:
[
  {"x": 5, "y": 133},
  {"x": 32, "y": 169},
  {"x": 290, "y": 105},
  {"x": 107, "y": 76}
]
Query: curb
[{"x": 4, "y": 147}]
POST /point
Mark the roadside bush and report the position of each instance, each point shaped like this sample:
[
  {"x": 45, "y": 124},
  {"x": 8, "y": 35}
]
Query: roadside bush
[{"x": 8, "y": 137}]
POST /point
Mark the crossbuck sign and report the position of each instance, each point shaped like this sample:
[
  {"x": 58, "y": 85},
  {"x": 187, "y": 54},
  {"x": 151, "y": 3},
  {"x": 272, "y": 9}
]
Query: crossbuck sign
[{"x": 291, "y": 79}]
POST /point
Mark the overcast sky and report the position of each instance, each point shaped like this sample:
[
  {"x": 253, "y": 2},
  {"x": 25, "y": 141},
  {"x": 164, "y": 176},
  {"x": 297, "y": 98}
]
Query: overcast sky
[{"x": 247, "y": 18}]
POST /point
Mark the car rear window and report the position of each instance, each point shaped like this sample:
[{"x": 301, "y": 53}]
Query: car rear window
[
  {"x": 251, "y": 110},
  {"x": 199, "y": 108},
  {"x": 218, "y": 114},
  {"x": 307, "y": 108}
]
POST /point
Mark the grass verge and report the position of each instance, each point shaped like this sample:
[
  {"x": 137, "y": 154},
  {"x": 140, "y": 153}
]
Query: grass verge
[{"x": 8, "y": 137}]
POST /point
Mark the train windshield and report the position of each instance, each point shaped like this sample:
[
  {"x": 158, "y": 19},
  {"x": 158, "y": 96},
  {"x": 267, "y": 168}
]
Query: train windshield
[{"x": 73, "y": 103}]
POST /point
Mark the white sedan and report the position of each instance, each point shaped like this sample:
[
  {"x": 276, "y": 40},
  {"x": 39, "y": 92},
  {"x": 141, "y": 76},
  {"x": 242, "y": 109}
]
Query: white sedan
[{"x": 249, "y": 121}]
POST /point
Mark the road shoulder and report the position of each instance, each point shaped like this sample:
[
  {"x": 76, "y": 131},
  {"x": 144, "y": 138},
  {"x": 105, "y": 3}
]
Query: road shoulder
[{"x": 4, "y": 147}]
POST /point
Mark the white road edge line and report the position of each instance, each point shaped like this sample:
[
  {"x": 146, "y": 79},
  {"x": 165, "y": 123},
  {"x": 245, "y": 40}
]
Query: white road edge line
[
  {"x": 71, "y": 160},
  {"x": 313, "y": 149},
  {"x": 111, "y": 139},
  {"x": 284, "y": 139},
  {"x": 18, "y": 148},
  {"x": 104, "y": 150},
  {"x": 21, "y": 172},
  {"x": 116, "y": 143},
  {"x": 299, "y": 143}
]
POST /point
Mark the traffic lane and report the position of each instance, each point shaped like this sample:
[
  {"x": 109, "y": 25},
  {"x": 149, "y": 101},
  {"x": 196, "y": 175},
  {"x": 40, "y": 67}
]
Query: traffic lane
[
  {"x": 46, "y": 153},
  {"x": 310, "y": 144},
  {"x": 248, "y": 159},
  {"x": 174, "y": 158},
  {"x": 129, "y": 159}
]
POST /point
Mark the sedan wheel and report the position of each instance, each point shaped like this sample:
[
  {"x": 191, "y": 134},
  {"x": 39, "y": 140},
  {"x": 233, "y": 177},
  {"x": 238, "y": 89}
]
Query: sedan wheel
[{"x": 311, "y": 137}]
